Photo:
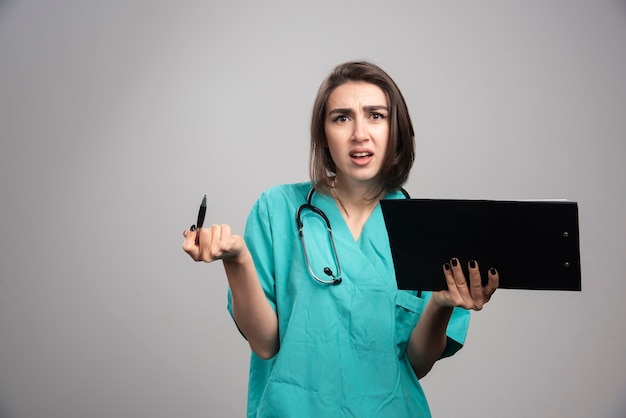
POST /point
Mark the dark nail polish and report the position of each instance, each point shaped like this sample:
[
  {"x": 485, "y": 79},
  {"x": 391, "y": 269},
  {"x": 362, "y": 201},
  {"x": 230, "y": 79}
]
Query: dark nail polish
[
  {"x": 454, "y": 262},
  {"x": 446, "y": 266},
  {"x": 193, "y": 228},
  {"x": 472, "y": 264},
  {"x": 493, "y": 271}
]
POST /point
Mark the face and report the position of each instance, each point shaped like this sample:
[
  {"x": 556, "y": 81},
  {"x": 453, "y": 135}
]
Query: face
[{"x": 357, "y": 130}]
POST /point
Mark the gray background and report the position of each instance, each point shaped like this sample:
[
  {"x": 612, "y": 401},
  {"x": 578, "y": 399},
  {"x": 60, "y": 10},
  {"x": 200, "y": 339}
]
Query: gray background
[{"x": 117, "y": 116}]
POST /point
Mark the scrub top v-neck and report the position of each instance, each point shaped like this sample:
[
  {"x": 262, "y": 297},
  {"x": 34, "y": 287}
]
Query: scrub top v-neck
[{"x": 342, "y": 347}]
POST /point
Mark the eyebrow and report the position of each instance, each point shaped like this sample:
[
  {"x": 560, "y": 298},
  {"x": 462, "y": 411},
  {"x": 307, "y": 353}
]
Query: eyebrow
[{"x": 342, "y": 110}]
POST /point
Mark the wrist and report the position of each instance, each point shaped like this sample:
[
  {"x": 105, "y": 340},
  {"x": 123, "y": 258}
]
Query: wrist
[
  {"x": 439, "y": 309},
  {"x": 241, "y": 259}
]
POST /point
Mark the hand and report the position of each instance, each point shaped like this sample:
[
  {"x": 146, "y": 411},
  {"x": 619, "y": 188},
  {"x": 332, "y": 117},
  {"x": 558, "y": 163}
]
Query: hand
[
  {"x": 214, "y": 243},
  {"x": 459, "y": 293}
]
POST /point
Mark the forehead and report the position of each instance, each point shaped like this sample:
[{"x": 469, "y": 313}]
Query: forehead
[{"x": 357, "y": 94}]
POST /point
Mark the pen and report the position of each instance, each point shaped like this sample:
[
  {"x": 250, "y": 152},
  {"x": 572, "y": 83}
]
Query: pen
[{"x": 201, "y": 213}]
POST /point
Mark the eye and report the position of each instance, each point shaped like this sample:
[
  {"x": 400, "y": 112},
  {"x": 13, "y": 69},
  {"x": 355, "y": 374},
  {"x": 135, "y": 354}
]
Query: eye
[
  {"x": 377, "y": 116},
  {"x": 341, "y": 119}
]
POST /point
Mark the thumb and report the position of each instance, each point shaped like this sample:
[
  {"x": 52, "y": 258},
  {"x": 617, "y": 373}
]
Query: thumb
[{"x": 191, "y": 239}]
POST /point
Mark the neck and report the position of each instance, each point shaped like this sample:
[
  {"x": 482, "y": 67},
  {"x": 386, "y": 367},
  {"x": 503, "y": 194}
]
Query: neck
[
  {"x": 356, "y": 200},
  {"x": 356, "y": 206}
]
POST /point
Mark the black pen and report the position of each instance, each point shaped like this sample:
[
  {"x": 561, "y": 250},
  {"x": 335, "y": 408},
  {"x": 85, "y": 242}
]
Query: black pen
[{"x": 201, "y": 213}]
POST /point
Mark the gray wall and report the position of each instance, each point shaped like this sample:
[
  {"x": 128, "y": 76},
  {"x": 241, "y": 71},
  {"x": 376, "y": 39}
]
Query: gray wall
[{"x": 117, "y": 116}]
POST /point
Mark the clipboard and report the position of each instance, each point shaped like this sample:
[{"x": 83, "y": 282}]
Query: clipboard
[{"x": 534, "y": 245}]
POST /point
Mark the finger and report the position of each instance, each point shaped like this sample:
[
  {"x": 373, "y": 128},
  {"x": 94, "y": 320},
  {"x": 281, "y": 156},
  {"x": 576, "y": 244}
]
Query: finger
[
  {"x": 459, "y": 277},
  {"x": 476, "y": 286},
  {"x": 189, "y": 244},
  {"x": 493, "y": 281},
  {"x": 461, "y": 284},
  {"x": 453, "y": 292},
  {"x": 226, "y": 240},
  {"x": 193, "y": 228},
  {"x": 216, "y": 243},
  {"x": 206, "y": 238}
]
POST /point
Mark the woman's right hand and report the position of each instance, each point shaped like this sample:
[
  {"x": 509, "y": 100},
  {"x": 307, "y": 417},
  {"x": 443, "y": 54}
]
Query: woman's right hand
[
  {"x": 251, "y": 310},
  {"x": 214, "y": 243}
]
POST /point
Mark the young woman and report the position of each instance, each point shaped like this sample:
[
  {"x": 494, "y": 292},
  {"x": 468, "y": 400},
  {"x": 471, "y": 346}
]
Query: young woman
[{"x": 312, "y": 285}]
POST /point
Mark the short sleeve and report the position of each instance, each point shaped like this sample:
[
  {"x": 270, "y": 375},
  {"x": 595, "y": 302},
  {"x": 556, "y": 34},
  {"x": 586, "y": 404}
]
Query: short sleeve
[
  {"x": 456, "y": 331},
  {"x": 259, "y": 240}
]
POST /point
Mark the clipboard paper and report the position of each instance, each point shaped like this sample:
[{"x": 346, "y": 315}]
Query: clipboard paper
[{"x": 534, "y": 245}]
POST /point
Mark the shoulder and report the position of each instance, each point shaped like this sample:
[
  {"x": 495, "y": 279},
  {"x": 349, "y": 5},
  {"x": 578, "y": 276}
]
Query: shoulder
[
  {"x": 290, "y": 194},
  {"x": 279, "y": 200},
  {"x": 275, "y": 209}
]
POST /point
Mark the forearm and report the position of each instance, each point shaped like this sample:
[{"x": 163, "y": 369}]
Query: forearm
[
  {"x": 428, "y": 339},
  {"x": 254, "y": 316}
]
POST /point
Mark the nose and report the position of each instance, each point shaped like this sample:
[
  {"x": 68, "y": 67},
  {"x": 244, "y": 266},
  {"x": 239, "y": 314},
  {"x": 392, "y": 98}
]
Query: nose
[{"x": 359, "y": 133}]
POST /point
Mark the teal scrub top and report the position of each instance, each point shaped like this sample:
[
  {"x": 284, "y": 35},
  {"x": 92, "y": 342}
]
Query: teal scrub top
[{"x": 342, "y": 347}]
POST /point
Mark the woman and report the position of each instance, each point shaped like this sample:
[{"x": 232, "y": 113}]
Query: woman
[{"x": 331, "y": 335}]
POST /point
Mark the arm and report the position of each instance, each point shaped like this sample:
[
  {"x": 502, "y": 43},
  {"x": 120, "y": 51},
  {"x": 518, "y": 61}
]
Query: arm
[
  {"x": 428, "y": 339},
  {"x": 254, "y": 316}
]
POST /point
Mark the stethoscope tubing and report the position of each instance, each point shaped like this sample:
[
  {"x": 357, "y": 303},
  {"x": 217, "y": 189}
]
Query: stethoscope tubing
[{"x": 335, "y": 279}]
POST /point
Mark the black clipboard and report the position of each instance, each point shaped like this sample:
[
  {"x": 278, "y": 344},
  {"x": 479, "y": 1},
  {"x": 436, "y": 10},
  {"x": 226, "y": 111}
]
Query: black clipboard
[{"x": 533, "y": 244}]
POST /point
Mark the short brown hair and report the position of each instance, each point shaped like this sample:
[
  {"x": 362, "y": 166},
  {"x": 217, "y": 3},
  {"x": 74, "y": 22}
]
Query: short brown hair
[{"x": 401, "y": 147}]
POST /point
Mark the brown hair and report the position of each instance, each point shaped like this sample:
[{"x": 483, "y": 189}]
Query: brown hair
[{"x": 401, "y": 147}]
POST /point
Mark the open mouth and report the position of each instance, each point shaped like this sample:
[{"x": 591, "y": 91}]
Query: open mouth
[{"x": 361, "y": 154}]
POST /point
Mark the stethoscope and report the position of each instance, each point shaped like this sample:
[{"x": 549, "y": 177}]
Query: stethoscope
[{"x": 334, "y": 279}]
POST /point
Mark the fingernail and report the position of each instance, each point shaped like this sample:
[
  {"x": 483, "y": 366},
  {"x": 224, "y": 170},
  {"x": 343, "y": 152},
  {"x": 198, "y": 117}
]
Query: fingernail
[
  {"x": 454, "y": 262},
  {"x": 472, "y": 264},
  {"x": 193, "y": 228},
  {"x": 446, "y": 266},
  {"x": 493, "y": 271}
]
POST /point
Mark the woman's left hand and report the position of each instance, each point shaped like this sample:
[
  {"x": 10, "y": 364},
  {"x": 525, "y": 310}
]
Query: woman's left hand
[{"x": 469, "y": 296}]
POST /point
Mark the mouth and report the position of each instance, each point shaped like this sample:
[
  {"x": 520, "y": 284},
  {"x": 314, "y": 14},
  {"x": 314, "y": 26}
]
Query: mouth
[
  {"x": 360, "y": 154},
  {"x": 361, "y": 158}
]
